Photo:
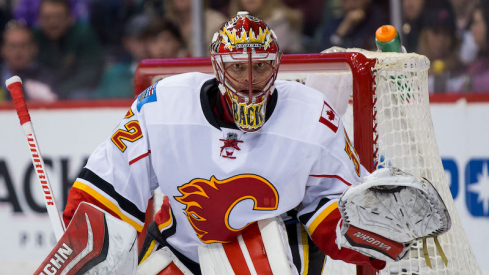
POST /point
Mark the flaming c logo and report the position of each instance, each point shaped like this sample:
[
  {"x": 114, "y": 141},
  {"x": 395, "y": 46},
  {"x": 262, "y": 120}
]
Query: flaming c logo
[{"x": 209, "y": 203}]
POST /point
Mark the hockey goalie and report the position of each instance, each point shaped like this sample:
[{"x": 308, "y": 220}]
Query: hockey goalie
[{"x": 259, "y": 177}]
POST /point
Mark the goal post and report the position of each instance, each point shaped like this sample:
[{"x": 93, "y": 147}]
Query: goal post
[{"x": 390, "y": 121}]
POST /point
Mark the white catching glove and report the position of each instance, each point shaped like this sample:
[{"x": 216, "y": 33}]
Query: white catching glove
[{"x": 387, "y": 211}]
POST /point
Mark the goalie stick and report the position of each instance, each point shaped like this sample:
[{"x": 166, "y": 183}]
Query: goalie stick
[{"x": 14, "y": 85}]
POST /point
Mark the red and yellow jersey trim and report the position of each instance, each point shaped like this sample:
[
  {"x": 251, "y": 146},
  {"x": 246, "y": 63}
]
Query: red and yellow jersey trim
[
  {"x": 108, "y": 203},
  {"x": 150, "y": 250},
  {"x": 322, "y": 215},
  {"x": 305, "y": 250},
  {"x": 167, "y": 223}
]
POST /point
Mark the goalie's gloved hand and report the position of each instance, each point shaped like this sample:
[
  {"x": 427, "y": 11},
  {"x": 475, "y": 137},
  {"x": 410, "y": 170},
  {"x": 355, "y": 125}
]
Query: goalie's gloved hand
[{"x": 387, "y": 211}]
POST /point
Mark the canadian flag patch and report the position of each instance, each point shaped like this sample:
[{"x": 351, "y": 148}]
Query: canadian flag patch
[{"x": 329, "y": 117}]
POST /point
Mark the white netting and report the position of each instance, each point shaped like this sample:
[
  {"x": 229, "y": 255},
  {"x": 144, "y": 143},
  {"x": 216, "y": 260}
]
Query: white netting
[{"x": 406, "y": 139}]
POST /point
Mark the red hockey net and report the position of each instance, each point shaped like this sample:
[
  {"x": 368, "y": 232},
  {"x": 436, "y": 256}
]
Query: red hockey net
[{"x": 389, "y": 119}]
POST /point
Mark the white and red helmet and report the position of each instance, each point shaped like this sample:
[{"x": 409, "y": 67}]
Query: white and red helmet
[{"x": 246, "y": 40}]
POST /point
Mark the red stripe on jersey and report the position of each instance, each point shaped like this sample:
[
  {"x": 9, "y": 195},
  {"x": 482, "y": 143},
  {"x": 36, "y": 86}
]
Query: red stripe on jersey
[
  {"x": 236, "y": 258},
  {"x": 332, "y": 176},
  {"x": 256, "y": 249},
  {"x": 75, "y": 197},
  {"x": 163, "y": 216},
  {"x": 140, "y": 157}
]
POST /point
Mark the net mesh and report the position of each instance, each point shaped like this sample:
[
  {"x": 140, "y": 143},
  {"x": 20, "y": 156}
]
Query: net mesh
[{"x": 404, "y": 137}]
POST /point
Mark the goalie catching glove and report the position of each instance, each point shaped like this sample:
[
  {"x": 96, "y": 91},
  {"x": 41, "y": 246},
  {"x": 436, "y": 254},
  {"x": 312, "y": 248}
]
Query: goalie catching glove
[{"x": 387, "y": 211}]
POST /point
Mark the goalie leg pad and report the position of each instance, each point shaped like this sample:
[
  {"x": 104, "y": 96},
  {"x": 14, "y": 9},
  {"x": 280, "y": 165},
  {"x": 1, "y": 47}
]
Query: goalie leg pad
[
  {"x": 261, "y": 249},
  {"x": 95, "y": 242}
]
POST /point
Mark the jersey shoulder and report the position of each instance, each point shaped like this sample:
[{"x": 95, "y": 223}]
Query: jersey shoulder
[
  {"x": 306, "y": 113},
  {"x": 168, "y": 88},
  {"x": 185, "y": 79},
  {"x": 292, "y": 90}
]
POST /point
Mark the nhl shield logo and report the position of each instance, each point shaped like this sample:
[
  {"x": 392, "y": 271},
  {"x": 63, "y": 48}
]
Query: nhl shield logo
[{"x": 230, "y": 145}]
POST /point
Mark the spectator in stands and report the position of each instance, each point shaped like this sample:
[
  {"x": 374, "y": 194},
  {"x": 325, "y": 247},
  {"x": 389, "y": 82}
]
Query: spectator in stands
[
  {"x": 118, "y": 80},
  {"x": 180, "y": 13},
  {"x": 19, "y": 52},
  {"x": 438, "y": 42},
  {"x": 284, "y": 21},
  {"x": 311, "y": 14},
  {"x": 5, "y": 15},
  {"x": 29, "y": 10},
  {"x": 355, "y": 27},
  {"x": 412, "y": 15},
  {"x": 108, "y": 19},
  {"x": 479, "y": 69},
  {"x": 463, "y": 10},
  {"x": 70, "y": 49},
  {"x": 220, "y": 5},
  {"x": 163, "y": 39}
]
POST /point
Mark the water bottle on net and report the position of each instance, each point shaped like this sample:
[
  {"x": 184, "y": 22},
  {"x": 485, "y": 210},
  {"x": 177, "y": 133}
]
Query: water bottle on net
[{"x": 388, "y": 40}]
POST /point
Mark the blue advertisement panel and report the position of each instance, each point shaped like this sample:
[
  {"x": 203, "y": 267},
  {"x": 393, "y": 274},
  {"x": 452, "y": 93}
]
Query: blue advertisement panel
[{"x": 477, "y": 187}]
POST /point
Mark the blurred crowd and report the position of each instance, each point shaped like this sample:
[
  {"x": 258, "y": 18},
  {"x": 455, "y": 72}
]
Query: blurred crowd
[{"x": 86, "y": 49}]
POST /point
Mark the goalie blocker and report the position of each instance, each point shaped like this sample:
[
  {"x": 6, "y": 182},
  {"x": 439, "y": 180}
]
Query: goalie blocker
[{"x": 95, "y": 242}]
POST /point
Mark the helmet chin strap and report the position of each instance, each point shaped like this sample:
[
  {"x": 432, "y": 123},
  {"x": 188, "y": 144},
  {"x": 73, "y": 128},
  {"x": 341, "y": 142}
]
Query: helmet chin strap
[
  {"x": 222, "y": 89},
  {"x": 226, "y": 112}
]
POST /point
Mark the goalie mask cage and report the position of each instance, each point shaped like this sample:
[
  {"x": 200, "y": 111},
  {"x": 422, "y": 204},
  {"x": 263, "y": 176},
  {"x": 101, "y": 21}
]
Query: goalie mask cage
[{"x": 391, "y": 123}]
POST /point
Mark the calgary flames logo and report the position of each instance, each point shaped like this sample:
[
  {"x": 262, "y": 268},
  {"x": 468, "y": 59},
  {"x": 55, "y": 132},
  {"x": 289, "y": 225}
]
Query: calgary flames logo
[{"x": 210, "y": 202}]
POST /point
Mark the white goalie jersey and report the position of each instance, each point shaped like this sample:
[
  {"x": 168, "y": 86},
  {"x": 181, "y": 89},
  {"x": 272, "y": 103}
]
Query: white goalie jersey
[{"x": 218, "y": 178}]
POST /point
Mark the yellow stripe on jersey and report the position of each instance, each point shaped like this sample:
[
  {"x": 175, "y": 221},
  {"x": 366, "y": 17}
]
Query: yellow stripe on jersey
[
  {"x": 305, "y": 249},
  {"x": 149, "y": 251},
  {"x": 324, "y": 264},
  {"x": 321, "y": 217},
  {"x": 107, "y": 203}
]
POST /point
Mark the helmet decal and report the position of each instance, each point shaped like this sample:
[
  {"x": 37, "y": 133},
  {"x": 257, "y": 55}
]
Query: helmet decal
[
  {"x": 248, "y": 116},
  {"x": 230, "y": 39},
  {"x": 244, "y": 31}
]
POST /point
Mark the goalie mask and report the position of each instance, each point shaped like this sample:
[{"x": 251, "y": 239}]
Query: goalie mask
[{"x": 245, "y": 56}]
